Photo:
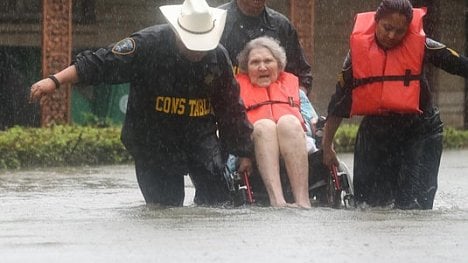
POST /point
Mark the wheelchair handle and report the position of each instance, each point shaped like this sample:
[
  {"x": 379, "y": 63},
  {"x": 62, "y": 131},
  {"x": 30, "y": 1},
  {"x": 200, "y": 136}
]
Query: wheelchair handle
[
  {"x": 245, "y": 178},
  {"x": 335, "y": 177}
]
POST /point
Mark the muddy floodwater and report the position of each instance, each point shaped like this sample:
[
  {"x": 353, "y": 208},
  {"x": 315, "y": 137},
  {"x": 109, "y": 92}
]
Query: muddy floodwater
[{"x": 97, "y": 214}]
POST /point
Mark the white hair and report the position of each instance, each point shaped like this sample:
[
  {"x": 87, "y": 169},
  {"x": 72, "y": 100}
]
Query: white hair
[{"x": 266, "y": 42}]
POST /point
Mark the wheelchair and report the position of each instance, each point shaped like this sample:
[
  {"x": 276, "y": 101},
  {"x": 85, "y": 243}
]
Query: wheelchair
[{"x": 326, "y": 188}]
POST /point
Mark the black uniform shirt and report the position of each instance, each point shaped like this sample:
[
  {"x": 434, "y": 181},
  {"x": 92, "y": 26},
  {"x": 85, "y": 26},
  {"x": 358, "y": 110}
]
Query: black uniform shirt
[
  {"x": 435, "y": 53},
  {"x": 240, "y": 29},
  {"x": 172, "y": 101}
]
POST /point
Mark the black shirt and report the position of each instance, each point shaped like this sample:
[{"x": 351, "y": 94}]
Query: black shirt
[
  {"x": 240, "y": 29},
  {"x": 172, "y": 101}
]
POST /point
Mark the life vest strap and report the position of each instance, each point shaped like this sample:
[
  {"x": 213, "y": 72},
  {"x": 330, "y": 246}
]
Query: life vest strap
[
  {"x": 269, "y": 102},
  {"x": 405, "y": 78}
]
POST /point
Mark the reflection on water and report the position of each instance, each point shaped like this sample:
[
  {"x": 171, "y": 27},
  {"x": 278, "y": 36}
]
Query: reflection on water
[{"x": 97, "y": 214}]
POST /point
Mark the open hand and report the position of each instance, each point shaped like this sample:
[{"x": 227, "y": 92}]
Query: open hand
[{"x": 39, "y": 89}]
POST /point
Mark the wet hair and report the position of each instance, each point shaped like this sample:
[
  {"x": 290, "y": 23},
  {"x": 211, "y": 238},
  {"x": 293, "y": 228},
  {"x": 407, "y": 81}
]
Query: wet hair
[
  {"x": 388, "y": 7},
  {"x": 266, "y": 42}
]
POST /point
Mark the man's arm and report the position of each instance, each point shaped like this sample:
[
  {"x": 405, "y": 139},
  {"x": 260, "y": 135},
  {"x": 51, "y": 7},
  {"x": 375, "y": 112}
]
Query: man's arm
[
  {"x": 48, "y": 86},
  {"x": 297, "y": 61},
  {"x": 234, "y": 127}
]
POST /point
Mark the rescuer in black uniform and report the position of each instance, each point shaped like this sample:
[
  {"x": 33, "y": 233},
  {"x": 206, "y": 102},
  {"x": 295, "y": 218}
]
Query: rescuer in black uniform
[
  {"x": 182, "y": 91},
  {"x": 397, "y": 154},
  {"x": 247, "y": 20}
]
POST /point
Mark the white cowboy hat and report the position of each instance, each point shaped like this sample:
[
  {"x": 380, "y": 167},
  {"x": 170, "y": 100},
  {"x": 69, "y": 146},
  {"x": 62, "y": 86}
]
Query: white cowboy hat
[{"x": 199, "y": 26}]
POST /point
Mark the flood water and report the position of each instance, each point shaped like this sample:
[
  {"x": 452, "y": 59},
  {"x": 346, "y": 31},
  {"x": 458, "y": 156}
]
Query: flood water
[{"x": 97, "y": 214}]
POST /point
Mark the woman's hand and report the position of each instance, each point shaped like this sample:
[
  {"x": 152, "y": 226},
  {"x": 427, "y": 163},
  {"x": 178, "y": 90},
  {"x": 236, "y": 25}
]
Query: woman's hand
[
  {"x": 329, "y": 154},
  {"x": 39, "y": 89},
  {"x": 329, "y": 157},
  {"x": 245, "y": 165}
]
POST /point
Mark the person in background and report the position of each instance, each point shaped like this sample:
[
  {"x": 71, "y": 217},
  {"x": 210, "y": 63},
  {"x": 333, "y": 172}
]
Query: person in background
[
  {"x": 399, "y": 141},
  {"x": 249, "y": 19},
  {"x": 271, "y": 98},
  {"x": 182, "y": 91}
]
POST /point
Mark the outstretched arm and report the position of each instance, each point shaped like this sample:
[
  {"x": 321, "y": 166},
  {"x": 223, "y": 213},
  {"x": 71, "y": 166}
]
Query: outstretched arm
[
  {"x": 48, "y": 86},
  {"x": 447, "y": 59}
]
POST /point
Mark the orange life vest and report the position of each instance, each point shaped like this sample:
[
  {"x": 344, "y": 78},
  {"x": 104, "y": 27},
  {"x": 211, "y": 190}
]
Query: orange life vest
[
  {"x": 386, "y": 81},
  {"x": 280, "y": 98}
]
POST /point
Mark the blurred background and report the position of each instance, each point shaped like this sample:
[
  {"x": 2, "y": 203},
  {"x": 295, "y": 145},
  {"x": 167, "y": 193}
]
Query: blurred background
[{"x": 323, "y": 26}]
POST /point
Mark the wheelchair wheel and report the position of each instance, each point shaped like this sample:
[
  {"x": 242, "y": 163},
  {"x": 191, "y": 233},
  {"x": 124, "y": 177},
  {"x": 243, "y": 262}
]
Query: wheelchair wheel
[
  {"x": 330, "y": 193},
  {"x": 347, "y": 186},
  {"x": 240, "y": 197}
]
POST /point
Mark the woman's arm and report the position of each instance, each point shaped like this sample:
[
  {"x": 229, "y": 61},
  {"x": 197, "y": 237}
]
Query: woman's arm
[
  {"x": 329, "y": 154},
  {"x": 447, "y": 59},
  {"x": 307, "y": 111}
]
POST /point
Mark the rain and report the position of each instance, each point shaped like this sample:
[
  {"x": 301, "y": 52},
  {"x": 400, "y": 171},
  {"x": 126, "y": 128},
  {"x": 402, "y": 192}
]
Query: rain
[{"x": 96, "y": 213}]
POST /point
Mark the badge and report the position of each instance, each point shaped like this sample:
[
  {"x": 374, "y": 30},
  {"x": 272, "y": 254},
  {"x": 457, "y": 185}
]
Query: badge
[
  {"x": 124, "y": 47},
  {"x": 208, "y": 79}
]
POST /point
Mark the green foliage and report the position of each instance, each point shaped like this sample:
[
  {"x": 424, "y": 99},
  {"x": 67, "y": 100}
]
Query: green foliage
[
  {"x": 346, "y": 136},
  {"x": 60, "y": 146},
  {"x": 86, "y": 145},
  {"x": 454, "y": 138},
  {"x": 90, "y": 119}
]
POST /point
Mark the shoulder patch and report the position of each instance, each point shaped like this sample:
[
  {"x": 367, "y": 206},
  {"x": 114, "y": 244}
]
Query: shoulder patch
[
  {"x": 432, "y": 44},
  {"x": 124, "y": 47},
  {"x": 455, "y": 53}
]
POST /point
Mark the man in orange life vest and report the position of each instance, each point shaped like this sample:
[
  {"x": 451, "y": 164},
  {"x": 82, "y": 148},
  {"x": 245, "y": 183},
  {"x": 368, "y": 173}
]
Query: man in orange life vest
[{"x": 399, "y": 142}]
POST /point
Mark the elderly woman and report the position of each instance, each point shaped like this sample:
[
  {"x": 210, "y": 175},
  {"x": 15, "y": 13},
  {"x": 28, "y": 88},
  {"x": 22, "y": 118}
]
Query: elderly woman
[
  {"x": 399, "y": 142},
  {"x": 272, "y": 102}
]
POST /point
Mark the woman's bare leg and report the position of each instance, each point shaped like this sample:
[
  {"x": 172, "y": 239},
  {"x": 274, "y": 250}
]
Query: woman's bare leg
[
  {"x": 267, "y": 156},
  {"x": 292, "y": 144}
]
